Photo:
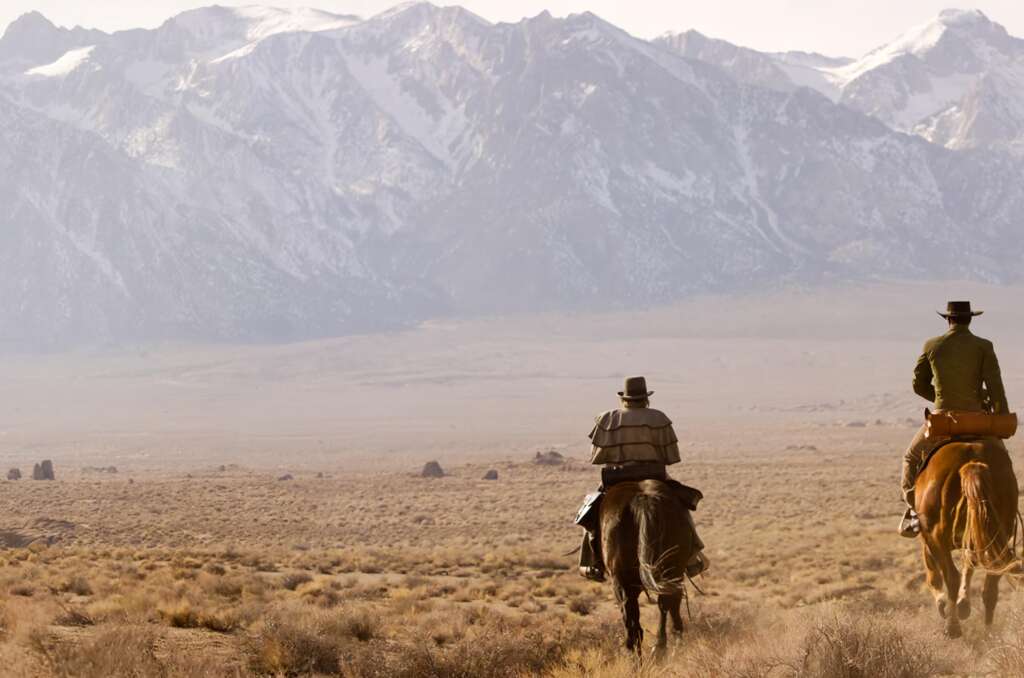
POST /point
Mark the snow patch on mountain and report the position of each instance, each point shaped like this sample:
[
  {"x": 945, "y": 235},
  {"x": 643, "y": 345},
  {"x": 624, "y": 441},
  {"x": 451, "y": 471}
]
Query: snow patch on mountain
[{"x": 64, "y": 65}]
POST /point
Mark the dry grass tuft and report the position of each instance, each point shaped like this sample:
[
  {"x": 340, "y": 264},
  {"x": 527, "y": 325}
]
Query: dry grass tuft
[
  {"x": 294, "y": 580},
  {"x": 866, "y": 646},
  {"x": 291, "y": 643}
]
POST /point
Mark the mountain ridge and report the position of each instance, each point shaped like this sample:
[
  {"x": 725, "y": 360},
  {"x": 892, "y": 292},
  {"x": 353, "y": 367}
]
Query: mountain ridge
[{"x": 261, "y": 174}]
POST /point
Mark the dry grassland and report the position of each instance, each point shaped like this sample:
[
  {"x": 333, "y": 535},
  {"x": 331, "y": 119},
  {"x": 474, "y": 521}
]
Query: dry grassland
[{"x": 235, "y": 573}]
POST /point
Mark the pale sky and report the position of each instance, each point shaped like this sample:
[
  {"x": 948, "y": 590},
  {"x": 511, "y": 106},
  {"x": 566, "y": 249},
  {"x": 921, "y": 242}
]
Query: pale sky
[{"x": 834, "y": 27}]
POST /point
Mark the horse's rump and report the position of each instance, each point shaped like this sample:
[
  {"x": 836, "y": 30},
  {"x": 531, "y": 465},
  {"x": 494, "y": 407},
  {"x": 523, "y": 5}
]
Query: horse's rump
[
  {"x": 647, "y": 537},
  {"x": 969, "y": 491}
]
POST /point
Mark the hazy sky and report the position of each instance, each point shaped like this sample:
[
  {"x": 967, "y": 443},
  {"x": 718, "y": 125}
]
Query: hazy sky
[{"x": 837, "y": 27}]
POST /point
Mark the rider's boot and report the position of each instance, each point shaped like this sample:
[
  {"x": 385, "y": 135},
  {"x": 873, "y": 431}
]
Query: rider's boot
[
  {"x": 910, "y": 525},
  {"x": 591, "y": 560}
]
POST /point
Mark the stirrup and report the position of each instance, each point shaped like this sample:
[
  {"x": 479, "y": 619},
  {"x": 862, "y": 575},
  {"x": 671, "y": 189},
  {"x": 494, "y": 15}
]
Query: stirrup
[
  {"x": 910, "y": 524},
  {"x": 592, "y": 573}
]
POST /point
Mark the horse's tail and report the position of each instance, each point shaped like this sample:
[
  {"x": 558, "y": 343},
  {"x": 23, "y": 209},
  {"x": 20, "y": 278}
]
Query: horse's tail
[
  {"x": 660, "y": 543},
  {"x": 986, "y": 541}
]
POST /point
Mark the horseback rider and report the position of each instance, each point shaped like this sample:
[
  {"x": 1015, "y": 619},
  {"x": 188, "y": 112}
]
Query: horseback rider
[
  {"x": 958, "y": 371},
  {"x": 633, "y": 443}
]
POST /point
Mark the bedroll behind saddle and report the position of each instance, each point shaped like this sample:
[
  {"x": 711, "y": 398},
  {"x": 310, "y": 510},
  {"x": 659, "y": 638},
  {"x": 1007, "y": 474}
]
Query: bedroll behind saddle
[{"x": 952, "y": 423}]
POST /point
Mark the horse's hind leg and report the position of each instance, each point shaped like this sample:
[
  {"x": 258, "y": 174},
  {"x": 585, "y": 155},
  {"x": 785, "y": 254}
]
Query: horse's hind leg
[
  {"x": 629, "y": 602},
  {"x": 668, "y": 605},
  {"x": 677, "y": 618},
  {"x": 990, "y": 594},
  {"x": 933, "y": 575},
  {"x": 963, "y": 600},
  {"x": 662, "y": 642},
  {"x": 951, "y": 577}
]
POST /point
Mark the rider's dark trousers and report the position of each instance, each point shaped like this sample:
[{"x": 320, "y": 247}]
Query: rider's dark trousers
[{"x": 912, "y": 460}]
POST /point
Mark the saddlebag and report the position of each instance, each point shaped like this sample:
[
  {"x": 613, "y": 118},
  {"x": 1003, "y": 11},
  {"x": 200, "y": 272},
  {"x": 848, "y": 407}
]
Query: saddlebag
[
  {"x": 587, "y": 516},
  {"x": 952, "y": 423}
]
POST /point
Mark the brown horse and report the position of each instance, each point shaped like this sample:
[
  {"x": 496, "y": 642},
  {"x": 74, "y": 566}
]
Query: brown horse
[
  {"x": 967, "y": 499},
  {"x": 647, "y": 542}
]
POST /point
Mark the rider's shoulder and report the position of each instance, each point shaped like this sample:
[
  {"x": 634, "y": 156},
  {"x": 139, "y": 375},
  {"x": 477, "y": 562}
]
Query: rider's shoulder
[
  {"x": 640, "y": 416},
  {"x": 604, "y": 417},
  {"x": 657, "y": 417},
  {"x": 982, "y": 340}
]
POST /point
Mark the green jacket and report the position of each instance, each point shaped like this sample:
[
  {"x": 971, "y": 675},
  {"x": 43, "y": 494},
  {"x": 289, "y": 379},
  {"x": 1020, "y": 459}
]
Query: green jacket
[{"x": 952, "y": 370}]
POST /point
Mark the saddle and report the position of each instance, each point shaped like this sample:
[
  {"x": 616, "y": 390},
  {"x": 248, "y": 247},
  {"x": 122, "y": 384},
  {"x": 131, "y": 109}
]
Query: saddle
[
  {"x": 951, "y": 426},
  {"x": 588, "y": 514},
  {"x": 939, "y": 443}
]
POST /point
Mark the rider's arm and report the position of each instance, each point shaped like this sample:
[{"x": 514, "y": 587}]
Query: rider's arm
[
  {"x": 994, "y": 381},
  {"x": 923, "y": 378}
]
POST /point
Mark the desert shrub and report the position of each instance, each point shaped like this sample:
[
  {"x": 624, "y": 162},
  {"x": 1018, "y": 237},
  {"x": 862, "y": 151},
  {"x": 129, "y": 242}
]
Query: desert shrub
[
  {"x": 221, "y": 621},
  {"x": 1007, "y": 655},
  {"x": 488, "y": 645},
  {"x": 215, "y": 568},
  {"x": 71, "y": 616},
  {"x": 108, "y": 609},
  {"x": 179, "y": 614},
  {"x": 505, "y": 655},
  {"x": 125, "y": 651},
  {"x": 360, "y": 625},
  {"x": 78, "y": 585},
  {"x": 119, "y": 651},
  {"x": 581, "y": 606},
  {"x": 863, "y": 646},
  {"x": 294, "y": 644},
  {"x": 294, "y": 580},
  {"x": 8, "y": 622},
  {"x": 225, "y": 587}
]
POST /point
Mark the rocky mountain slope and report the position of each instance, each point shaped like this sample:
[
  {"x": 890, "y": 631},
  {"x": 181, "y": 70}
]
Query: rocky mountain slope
[
  {"x": 957, "y": 80},
  {"x": 263, "y": 174}
]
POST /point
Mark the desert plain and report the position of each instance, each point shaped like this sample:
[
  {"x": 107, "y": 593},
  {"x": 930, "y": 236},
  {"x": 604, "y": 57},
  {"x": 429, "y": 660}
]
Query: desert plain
[{"x": 267, "y": 516}]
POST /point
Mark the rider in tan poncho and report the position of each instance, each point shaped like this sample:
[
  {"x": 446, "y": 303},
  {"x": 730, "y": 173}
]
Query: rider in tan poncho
[{"x": 632, "y": 443}]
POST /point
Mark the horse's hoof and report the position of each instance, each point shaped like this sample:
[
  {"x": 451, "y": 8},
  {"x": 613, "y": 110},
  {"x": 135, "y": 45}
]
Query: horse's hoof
[
  {"x": 953, "y": 632},
  {"x": 963, "y": 608}
]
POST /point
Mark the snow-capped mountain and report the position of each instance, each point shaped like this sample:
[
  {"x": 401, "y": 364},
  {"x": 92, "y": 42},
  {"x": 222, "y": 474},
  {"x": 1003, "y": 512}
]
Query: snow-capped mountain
[
  {"x": 957, "y": 80},
  {"x": 262, "y": 174}
]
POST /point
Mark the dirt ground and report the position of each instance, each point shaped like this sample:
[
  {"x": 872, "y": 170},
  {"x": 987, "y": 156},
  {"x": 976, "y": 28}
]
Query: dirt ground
[{"x": 195, "y": 558}]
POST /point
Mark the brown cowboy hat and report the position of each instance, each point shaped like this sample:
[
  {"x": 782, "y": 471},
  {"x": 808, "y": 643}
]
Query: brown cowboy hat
[
  {"x": 959, "y": 309},
  {"x": 635, "y": 388}
]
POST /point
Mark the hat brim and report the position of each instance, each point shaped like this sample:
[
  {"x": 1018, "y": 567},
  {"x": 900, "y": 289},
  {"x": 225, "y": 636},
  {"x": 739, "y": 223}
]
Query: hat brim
[
  {"x": 622, "y": 394},
  {"x": 972, "y": 314}
]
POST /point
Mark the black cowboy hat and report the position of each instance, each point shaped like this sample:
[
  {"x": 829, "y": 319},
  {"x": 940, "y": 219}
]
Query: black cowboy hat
[
  {"x": 635, "y": 388},
  {"x": 959, "y": 309}
]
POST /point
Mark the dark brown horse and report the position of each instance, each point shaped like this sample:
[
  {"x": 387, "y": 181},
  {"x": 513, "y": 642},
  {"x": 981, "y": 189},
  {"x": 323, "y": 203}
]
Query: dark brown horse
[
  {"x": 647, "y": 542},
  {"x": 967, "y": 499}
]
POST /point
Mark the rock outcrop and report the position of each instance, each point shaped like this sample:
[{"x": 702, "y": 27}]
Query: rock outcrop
[
  {"x": 549, "y": 458},
  {"x": 432, "y": 469},
  {"x": 43, "y": 471}
]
